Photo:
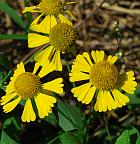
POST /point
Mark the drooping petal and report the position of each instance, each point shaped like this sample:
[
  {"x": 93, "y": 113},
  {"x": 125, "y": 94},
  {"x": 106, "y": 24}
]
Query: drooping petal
[
  {"x": 70, "y": 3},
  {"x": 110, "y": 101},
  {"x": 45, "y": 55},
  {"x": 57, "y": 61},
  {"x": 87, "y": 57},
  {"x": 88, "y": 98},
  {"x": 53, "y": 21},
  {"x": 44, "y": 104},
  {"x": 70, "y": 14},
  {"x": 20, "y": 69},
  {"x": 81, "y": 91},
  {"x": 10, "y": 87},
  {"x": 36, "y": 67},
  {"x": 31, "y": 9},
  {"x": 44, "y": 26},
  {"x": 35, "y": 40},
  {"x": 7, "y": 98},
  {"x": 120, "y": 99},
  {"x": 129, "y": 85},
  {"x": 63, "y": 19},
  {"x": 81, "y": 64},
  {"x": 99, "y": 105},
  {"x": 97, "y": 56},
  {"x": 11, "y": 105},
  {"x": 112, "y": 59},
  {"x": 46, "y": 69},
  {"x": 54, "y": 85},
  {"x": 28, "y": 112},
  {"x": 78, "y": 76}
]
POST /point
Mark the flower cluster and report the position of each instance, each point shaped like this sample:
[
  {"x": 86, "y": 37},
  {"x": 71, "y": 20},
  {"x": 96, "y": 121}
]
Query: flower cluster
[{"x": 102, "y": 81}]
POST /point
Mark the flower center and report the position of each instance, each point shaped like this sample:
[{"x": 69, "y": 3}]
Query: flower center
[
  {"x": 104, "y": 75},
  {"x": 51, "y": 7},
  {"x": 62, "y": 36},
  {"x": 27, "y": 85}
]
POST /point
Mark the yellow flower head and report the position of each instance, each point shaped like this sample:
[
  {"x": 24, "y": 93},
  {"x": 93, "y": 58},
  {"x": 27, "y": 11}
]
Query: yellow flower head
[
  {"x": 61, "y": 37},
  {"x": 28, "y": 86},
  {"x": 52, "y": 12},
  {"x": 102, "y": 77}
]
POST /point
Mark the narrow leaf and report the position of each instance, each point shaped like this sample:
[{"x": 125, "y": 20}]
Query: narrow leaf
[{"x": 13, "y": 14}]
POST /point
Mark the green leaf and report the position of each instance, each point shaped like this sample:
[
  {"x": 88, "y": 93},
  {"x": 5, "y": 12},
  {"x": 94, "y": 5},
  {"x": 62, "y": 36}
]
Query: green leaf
[
  {"x": 51, "y": 118},
  {"x": 6, "y": 139},
  {"x": 70, "y": 117},
  {"x": 127, "y": 137},
  {"x": 13, "y": 14},
  {"x": 14, "y": 36},
  {"x": 135, "y": 98},
  {"x": 135, "y": 131},
  {"x": 123, "y": 138},
  {"x": 69, "y": 138}
]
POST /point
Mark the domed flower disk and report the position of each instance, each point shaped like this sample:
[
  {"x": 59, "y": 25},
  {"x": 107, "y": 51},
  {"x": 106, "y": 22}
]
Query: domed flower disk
[
  {"x": 51, "y": 12},
  {"x": 102, "y": 81},
  {"x": 61, "y": 37},
  {"x": 28, "y": 86}
]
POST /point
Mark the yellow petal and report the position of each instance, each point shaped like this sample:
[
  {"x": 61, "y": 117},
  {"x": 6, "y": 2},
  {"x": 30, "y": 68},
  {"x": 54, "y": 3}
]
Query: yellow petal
[
  {"x": 87, "y": 57},
  {"x": 104, "y": 101},
  {"x": 28, "y": 112},
  {"x": 63, "y": 19},
  {"x": 11, "y": 105},
  {"x": 129, "y": 85},
  {"x": 35, "y": 40},
  {"x": 46, "y": 55},
  {"x": 7, "y": 98},
  {"x": 49, "y": 67},
  {"x": 70, "y": 3},
  {"x": 44, "y": 26},
  {"x": 78, "y": 76},
  {"x": 101, "y": 55},
  {"x": 20, "y": 69},
  {"x": 55, "y": 85},
  {"x": 70, "y": 14},
  {"x": 81, "y": 91},
  {"x": 97, "y": 56},
  {"x": 93, "y": 53},
  {"x": 120, "y": 99},
  {"x": 36, "y": 67},
  {"x": 35, "y": 24},
  {"x": 44, "y": 104},
  {"x": 109, "y": 100},
  {"x": 112, "y": 59},
  {"x": 57, "y": 61},
  {"x": 88, "y": 98},
  {"x": 10, "y": 88},
  {"x": 53, "y": 21},
  {"x": 30, "y": 9},
  {"x": 81, "y": 64}
]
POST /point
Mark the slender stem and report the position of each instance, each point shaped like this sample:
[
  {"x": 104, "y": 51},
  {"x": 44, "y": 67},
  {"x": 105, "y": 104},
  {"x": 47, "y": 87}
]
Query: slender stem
[
  {"x": 5, "y": 78},
  {"x": 107, "y": 129},
  {"x": 68, "y": 66}
]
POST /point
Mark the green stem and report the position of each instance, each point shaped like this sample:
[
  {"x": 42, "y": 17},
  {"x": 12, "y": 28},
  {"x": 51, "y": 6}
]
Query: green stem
[
  {"x": 5, "y": 78},
  {"x": 107, "y": 129},
  {"x": 68, "y": 67}
]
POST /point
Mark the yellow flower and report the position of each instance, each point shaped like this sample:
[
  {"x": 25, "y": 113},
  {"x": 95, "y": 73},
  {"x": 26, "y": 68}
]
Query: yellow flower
[
  {"x": 102, "y": 79},
  {"x": 61, "y": 37},
  {"x": 51, "y": 12},
  {"x": 28, "y": 86}
]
